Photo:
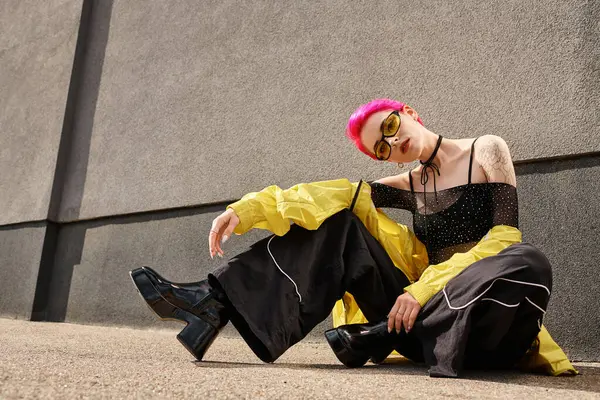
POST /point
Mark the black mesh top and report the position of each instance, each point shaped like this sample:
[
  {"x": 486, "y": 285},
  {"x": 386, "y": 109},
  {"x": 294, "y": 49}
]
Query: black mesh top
[{"x": 454, "y": 219}]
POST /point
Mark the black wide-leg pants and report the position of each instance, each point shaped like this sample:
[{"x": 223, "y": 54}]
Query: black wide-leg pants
[{"x": 282, "y": 287}]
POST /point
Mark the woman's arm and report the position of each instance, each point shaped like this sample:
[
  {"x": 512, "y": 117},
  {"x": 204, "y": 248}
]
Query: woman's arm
[
  {"x": 274, "y": 209},
  {"x": 305, "y": 204},
  {"x": 393, "y": 191}
]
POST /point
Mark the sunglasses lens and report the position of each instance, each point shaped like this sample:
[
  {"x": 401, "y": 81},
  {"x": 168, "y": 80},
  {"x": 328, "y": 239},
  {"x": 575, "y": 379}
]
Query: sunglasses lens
[
  {"x": 391, "y": 125},
  {"x": 383, "y": 151}
]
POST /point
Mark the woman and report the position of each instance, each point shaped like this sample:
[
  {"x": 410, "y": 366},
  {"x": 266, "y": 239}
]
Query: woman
[{"x": 415, "y": 289}]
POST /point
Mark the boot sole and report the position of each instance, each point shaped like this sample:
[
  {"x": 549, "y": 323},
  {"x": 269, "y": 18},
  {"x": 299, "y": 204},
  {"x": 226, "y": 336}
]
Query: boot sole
[{"x": 342, "y": 352}]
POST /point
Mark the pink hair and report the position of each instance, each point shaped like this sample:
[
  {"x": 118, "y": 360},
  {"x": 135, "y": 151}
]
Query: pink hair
[{"x": 362, "y": 113}]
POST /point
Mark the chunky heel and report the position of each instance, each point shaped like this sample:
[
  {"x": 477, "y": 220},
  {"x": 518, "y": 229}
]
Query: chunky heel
[
  {"x": 342, "y": 352},
  {"x": 198, "y": 334}
]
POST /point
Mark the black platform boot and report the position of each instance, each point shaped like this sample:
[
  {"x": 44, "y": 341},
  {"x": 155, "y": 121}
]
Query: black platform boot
[
  {"x": 355, "y": 344},
  {"x": 197, "y": 304}
]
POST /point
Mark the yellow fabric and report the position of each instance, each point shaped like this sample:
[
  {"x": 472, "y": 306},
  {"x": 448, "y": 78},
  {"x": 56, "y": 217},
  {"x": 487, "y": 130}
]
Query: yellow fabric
[
  {"x": 547, "y": 356},
  {"x": 309, "y": 204},
  {"x": 436, "y": 276}
]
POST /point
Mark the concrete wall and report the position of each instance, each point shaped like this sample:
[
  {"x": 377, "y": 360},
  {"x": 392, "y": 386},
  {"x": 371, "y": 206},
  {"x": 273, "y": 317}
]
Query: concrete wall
[
  {"x": 243, "y": 92},
  {"x": 167, "y": 111},
  {"x": 559, "y": 212},
  {"x": 36, "y": 58},
  {"x": 20, "y": 255}
]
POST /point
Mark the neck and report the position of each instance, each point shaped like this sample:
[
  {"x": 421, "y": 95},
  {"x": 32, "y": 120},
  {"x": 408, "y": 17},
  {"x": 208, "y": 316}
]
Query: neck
[{"x": 447, "y": 150}]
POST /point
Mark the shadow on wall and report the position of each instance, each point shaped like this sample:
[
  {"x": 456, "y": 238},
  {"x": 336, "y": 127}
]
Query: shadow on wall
[
  {"x": 577, "y": 162},
  {"x": 74, "y": 148},
  {"x": 69, "y": 245}
]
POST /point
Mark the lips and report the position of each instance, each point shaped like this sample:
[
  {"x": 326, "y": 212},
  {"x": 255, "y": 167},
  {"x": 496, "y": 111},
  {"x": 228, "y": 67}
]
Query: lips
[{"x": 404, "y": 146}]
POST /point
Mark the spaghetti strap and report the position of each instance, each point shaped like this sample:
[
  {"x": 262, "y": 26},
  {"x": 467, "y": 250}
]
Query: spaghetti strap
[
  {"x": 412, "y": 189},
  {"x": 471, "y": 159}
]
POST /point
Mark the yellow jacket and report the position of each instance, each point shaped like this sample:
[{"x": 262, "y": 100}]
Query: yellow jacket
[{"x": 309, "y": 204}]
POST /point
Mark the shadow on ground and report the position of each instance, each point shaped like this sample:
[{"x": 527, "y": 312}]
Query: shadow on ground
[{"x": 588, "y": 380}]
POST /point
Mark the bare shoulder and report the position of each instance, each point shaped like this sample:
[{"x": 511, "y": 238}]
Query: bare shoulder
[
  {"x": 491, "y": 149},
  {"x": 491, "y": 142},
  {"x": 493, "y": 155},
  {"x": 400, "y": 181}
]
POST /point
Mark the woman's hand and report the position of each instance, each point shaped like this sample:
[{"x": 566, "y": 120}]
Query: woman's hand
[
  {"x": 404, "y": 312},
  {"x": 221, "y": 230}
]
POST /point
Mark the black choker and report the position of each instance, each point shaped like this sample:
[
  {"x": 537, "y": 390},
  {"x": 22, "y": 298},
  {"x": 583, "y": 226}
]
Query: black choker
[
  {"x": 429, "y": 164},
  {"x": 437, "y": 146}
]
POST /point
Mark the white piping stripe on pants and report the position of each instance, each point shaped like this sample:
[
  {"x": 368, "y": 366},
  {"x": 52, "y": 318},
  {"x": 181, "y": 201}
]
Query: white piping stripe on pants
[
  {"x": 487, "y": 298},
  {"x": 282, "y": 271},
  {"x": 499, "y": 302}
]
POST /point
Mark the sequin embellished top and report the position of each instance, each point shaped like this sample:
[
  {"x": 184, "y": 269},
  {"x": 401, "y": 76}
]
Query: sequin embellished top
[{"x": 454, "y": 219}]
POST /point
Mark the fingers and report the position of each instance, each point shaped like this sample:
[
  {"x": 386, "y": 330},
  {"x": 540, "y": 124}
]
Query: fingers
[
  {"x": 228, "y": 230},
  {"x": 211, "y": 242},
  {"x": 219, "y": 238},
  {"x": 233, "y": 222},
  {"x": 222, "y": 238},
  {"x": 404, "y": 313},
  {"x": 214, "y": 236},
  {"x": 392, "y": 314},
  {"x": 412, "y": 318},
  {"x": 399, "y": 317},
  {"x": 222, "y": 228}
]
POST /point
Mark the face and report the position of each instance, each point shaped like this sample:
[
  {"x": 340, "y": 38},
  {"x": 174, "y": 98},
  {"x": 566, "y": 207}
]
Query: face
[{"x": 405, "y": 144}]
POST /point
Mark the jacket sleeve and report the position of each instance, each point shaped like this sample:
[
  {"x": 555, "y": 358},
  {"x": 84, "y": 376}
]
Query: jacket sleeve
[
  {"x": 305, "y": 204},
  {"x": 435, "y": 277}
]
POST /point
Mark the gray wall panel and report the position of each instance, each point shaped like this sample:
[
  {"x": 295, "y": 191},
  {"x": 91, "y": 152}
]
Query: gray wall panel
[
  {"x": 20, "y": 253},
  {"x": 203, "y": 102},
  {"x": 36, "y": 57},
  {"x": 560, "y": 214}
]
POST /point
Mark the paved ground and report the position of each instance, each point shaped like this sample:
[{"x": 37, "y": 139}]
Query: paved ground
[{"x": 67, "y": 361}]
